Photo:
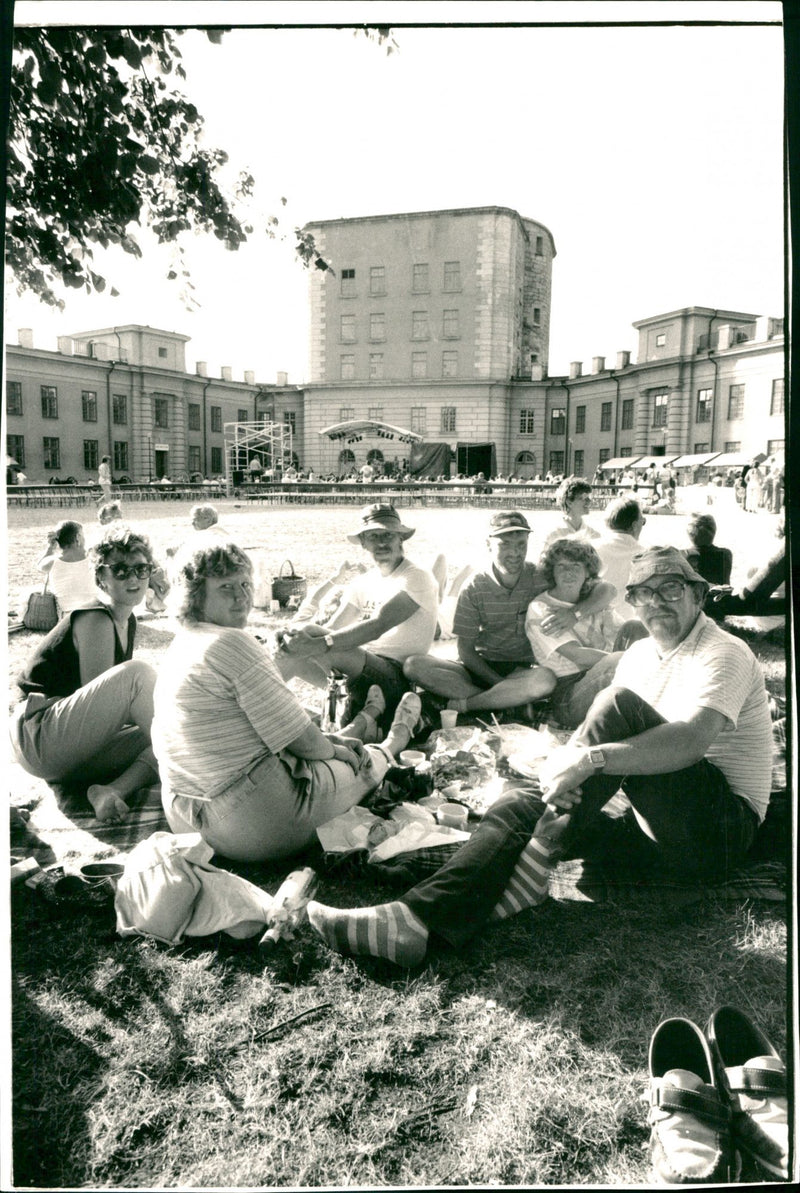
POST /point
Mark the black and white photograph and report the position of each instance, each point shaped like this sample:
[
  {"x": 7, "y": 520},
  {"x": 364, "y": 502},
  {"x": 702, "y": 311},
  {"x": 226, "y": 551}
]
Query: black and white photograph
[{"x": 401, "y": 731}]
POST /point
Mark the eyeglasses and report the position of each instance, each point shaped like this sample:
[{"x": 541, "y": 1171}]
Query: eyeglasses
[
  {"x": 672, "y": 591},
  {"x": 121, "y": 571}
]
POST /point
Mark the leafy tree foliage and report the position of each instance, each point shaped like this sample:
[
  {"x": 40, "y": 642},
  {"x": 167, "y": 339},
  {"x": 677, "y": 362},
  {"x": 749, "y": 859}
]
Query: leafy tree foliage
[{"x": 99, "y": 141}]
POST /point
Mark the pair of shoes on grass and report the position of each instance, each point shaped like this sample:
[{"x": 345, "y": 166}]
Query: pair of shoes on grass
[{"x": 714, "y": 1097}]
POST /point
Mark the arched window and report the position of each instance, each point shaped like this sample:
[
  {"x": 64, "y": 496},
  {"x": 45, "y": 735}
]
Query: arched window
[
  {"x": 374, "y": 456},
  {"x": 525, "y": 465},
  {"x": 347, "y": 460}
]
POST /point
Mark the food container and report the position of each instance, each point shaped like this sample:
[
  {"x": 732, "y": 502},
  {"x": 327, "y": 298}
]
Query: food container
[
  {"x": 102, "y": 874},
  {"x": 411, "y": 757},
  {"x": 449, "y": 718},
  {"x": 453, "y": 815}
]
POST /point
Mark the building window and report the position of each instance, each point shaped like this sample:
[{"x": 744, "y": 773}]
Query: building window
[
  {"x": 120, "y": 456},
  {"x": 580, "y": 420},
  {"x": 775, "y": 445},
  {"x": 347, "y": 366},
  {"x": 14, "y": 397},
  {"x": 660, "y": 401},
  {"x": 52, "y": 452},
  {"x": 537, "y": 316},
  {"x": 605, "y": 454},
  {"x": 419, "y": 325},
  {"x": 733, "y": 445},
  {"x": 375, "y": 413},
  {"x": 605, "y": 416},
  {"x": 119, "y": 410},
  {"x": 699, "y": 448},
  {"x": 347, "y": 329},
  {"x": 346, "y": 414},
  {"x": 376, "y": 366},
  {"x": 49, "y": 401},
  {"x": 627, "y": 414},
  {"x": 91, "y": 454},
  {"x": 194, "y": 459},
  {"x": 194, "y": 417},
  {"x": 347, "y": 460},
  {"x": 452, "y": 275},
  {"x": 449, "y": 364},
  {"x": 377, "y": 325},
  {"x": 241, "y": 415},
  {"x": 161, "y": 412},
  {"x": 735, "y": 401},
  {"x": 216, "y": 460},
  {"x": 578, "y": 465},
  {"x": 557, "y": 463},
  {"x": 539, "y": 246},
  {"x": 623, "y": 451},
  {"x": 419, "y": 364},
  {"x": 702, "y": 412},
  {"x": 89, "y": 405},
  {"x": 419, "y": 419},
  {"x": 348, "y": 283},
  {"x": 162, "y": 353},
  {"x": 775, "y": 405},
  {"x": 558, "y": 423},
  {"x": 377, "y": 279},
  {"x": 420, "y": 283},
  {"x": 448, "y": 420},
  {"x": 216, "y": 418},
  {"x": 526, "y": 422},
  {"x": 661, "y": 339},
  {"x": 450, "y": 324},
  {"x": 15, "y": 446},
  {"x": 290, "y": 420}
]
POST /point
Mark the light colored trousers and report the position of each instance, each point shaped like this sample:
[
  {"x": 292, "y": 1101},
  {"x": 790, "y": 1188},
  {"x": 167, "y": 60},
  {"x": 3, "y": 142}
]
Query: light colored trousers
[
  {"x": 273, "y": 809},
  {"x": 93, "y": 735}
]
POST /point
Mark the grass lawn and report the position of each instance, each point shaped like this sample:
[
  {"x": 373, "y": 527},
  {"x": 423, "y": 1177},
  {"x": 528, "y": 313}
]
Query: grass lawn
[{"x": 518, "y": 1061}]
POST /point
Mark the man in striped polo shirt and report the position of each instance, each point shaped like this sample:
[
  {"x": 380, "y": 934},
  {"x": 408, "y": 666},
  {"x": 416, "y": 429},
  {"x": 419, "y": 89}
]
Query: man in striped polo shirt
[
  {"x": 685, "y": 730},
  {"x": 496, "y": 667}
]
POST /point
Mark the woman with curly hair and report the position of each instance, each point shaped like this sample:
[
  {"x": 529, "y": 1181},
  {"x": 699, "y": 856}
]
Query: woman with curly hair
[
  {"x": 241, "y": 762},
  {"x": 574, "y": 498},
  {"x": 581, "y": 658},
  {"x": 88, "y": 704}
]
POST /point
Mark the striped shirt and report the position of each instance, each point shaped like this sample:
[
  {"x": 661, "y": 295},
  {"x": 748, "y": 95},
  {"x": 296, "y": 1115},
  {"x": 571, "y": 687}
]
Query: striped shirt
[
  {"x": 492, "y": 617},
  {"x": 220, "y": 706},
  {"x": 711, "y": 669}
]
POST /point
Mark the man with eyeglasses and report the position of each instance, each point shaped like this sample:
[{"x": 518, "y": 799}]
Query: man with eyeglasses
[{"x": 684, "y": 730}]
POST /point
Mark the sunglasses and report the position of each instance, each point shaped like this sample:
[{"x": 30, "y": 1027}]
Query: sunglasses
[
  {"x": 672, "y": 591},
  {"x": 121, "y": 571}
]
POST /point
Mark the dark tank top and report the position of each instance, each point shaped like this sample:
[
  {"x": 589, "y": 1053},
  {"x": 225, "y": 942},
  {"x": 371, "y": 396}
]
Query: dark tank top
[{"x": 54, "y": 668}]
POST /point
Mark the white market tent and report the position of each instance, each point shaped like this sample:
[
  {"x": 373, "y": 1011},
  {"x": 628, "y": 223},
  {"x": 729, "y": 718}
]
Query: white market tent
[
  {"x": 697, "y": 460},
  {"x": 732, "y": 460},
  {"x": 618, "y": 462},
  {"x": 656, "y": 461}
]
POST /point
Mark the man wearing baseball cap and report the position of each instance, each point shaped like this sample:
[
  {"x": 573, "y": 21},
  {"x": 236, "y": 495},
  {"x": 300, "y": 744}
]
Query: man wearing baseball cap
[
  {"x": 391, "y": 608},
  {"x": 684, "y": 730},
  {"x": 496, "y": 667}
]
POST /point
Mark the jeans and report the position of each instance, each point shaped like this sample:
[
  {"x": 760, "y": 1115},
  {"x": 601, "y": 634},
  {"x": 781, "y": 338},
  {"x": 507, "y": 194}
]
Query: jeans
[
  {"x": 686, "y": 821},
  {"x": 388, "y": 675}
]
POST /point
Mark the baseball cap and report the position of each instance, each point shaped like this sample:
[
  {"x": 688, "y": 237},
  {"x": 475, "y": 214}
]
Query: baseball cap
[
  {"x": 506, "y": 522},
  {"x": 662, "y": 561}
]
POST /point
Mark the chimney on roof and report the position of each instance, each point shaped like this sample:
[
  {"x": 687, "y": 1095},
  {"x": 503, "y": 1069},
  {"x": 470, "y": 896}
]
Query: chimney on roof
[
  {"x": 64, "y": 345},
  {"x": 201, "y": 368},
  {"x": 623, "y": 360},
  {"x": 283, "y": 379},
  {"x": 25, "y": 337},
  {"x": 575, "y": 369},
  {"x": 249, "y": 377},
  {"x": 598, "y": 364},
  {"x": 227, "y": 373}
]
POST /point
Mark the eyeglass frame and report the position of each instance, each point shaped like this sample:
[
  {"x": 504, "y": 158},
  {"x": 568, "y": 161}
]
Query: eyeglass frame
[
  {"x": 122, "y": 571},
  {"x": 660, "y": 592}
]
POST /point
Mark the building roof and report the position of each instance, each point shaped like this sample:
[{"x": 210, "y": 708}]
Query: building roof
[
  {"x": 110, "y": 331},
  {"x": 703, "y": 311},
  {"x": 406, "y": 215}
]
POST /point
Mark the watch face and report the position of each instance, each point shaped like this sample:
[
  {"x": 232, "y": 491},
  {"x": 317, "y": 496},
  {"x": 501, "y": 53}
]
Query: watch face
[{"x": 597, "y": 758}]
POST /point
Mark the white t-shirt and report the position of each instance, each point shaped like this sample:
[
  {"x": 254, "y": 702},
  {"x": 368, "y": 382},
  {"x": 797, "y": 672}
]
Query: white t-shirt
[
  {"x": 371, "y": 591},
  {"x": 616, "y": 551},
  {"x": 711, "y": 669},
  {"x": 565, "y": 530},
  {"x": 596, "y": 630},
  {"x": 72, "y": 583}
]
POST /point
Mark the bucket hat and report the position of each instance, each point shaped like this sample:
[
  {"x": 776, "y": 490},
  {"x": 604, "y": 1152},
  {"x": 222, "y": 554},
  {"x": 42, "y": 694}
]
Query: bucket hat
[
  {"x": 380, "y": 516},
  {"x": 662, "y": 561}
]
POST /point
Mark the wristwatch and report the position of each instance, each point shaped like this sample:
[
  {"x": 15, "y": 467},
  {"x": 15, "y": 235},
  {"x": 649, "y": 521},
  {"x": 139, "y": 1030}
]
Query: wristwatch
[
  {"x": 329, "y": 641},
  {"x": 597, "y": 758}
]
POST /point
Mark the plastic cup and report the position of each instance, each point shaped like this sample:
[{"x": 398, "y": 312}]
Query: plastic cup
[
  {"x": 449, "y": 718},
  {"x": 453, "y": 815},
  {"x": 274, "y": 606},
  {"x": 411, "y": 757}
]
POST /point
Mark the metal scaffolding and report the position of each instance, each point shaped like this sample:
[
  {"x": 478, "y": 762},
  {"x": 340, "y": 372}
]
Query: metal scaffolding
[{"x": 271, "y": 444}]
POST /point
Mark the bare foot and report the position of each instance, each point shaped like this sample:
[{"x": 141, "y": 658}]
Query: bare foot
[{"x": 107, "y": 804}]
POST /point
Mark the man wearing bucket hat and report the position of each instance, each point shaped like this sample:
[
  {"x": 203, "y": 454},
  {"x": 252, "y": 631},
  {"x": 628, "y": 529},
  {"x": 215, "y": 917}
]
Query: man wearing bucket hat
[
  {"x": 684, "y": 730},
  {"x": 391, "y": 608},
  {"x": 496, "y": 667}
]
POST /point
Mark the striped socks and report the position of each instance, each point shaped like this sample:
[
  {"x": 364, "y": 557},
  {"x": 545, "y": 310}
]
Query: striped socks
[
  {"x": 390, "y": 931},
  {"x": 528, "y": 884}
]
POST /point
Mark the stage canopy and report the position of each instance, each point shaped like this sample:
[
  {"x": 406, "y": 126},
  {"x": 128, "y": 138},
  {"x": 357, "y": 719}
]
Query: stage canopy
[{"x": 350, "y": 431}]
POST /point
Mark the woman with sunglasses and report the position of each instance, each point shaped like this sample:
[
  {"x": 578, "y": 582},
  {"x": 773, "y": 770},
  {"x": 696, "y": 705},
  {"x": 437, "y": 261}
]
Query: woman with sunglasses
[{"x": 88, "y": 704}]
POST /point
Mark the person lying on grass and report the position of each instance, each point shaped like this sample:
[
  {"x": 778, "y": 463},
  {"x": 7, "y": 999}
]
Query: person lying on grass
[
  {"x": 241, "y": 762},
  {"x": 685, "y": 731},
  {"x": 88, "y": 704}
]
